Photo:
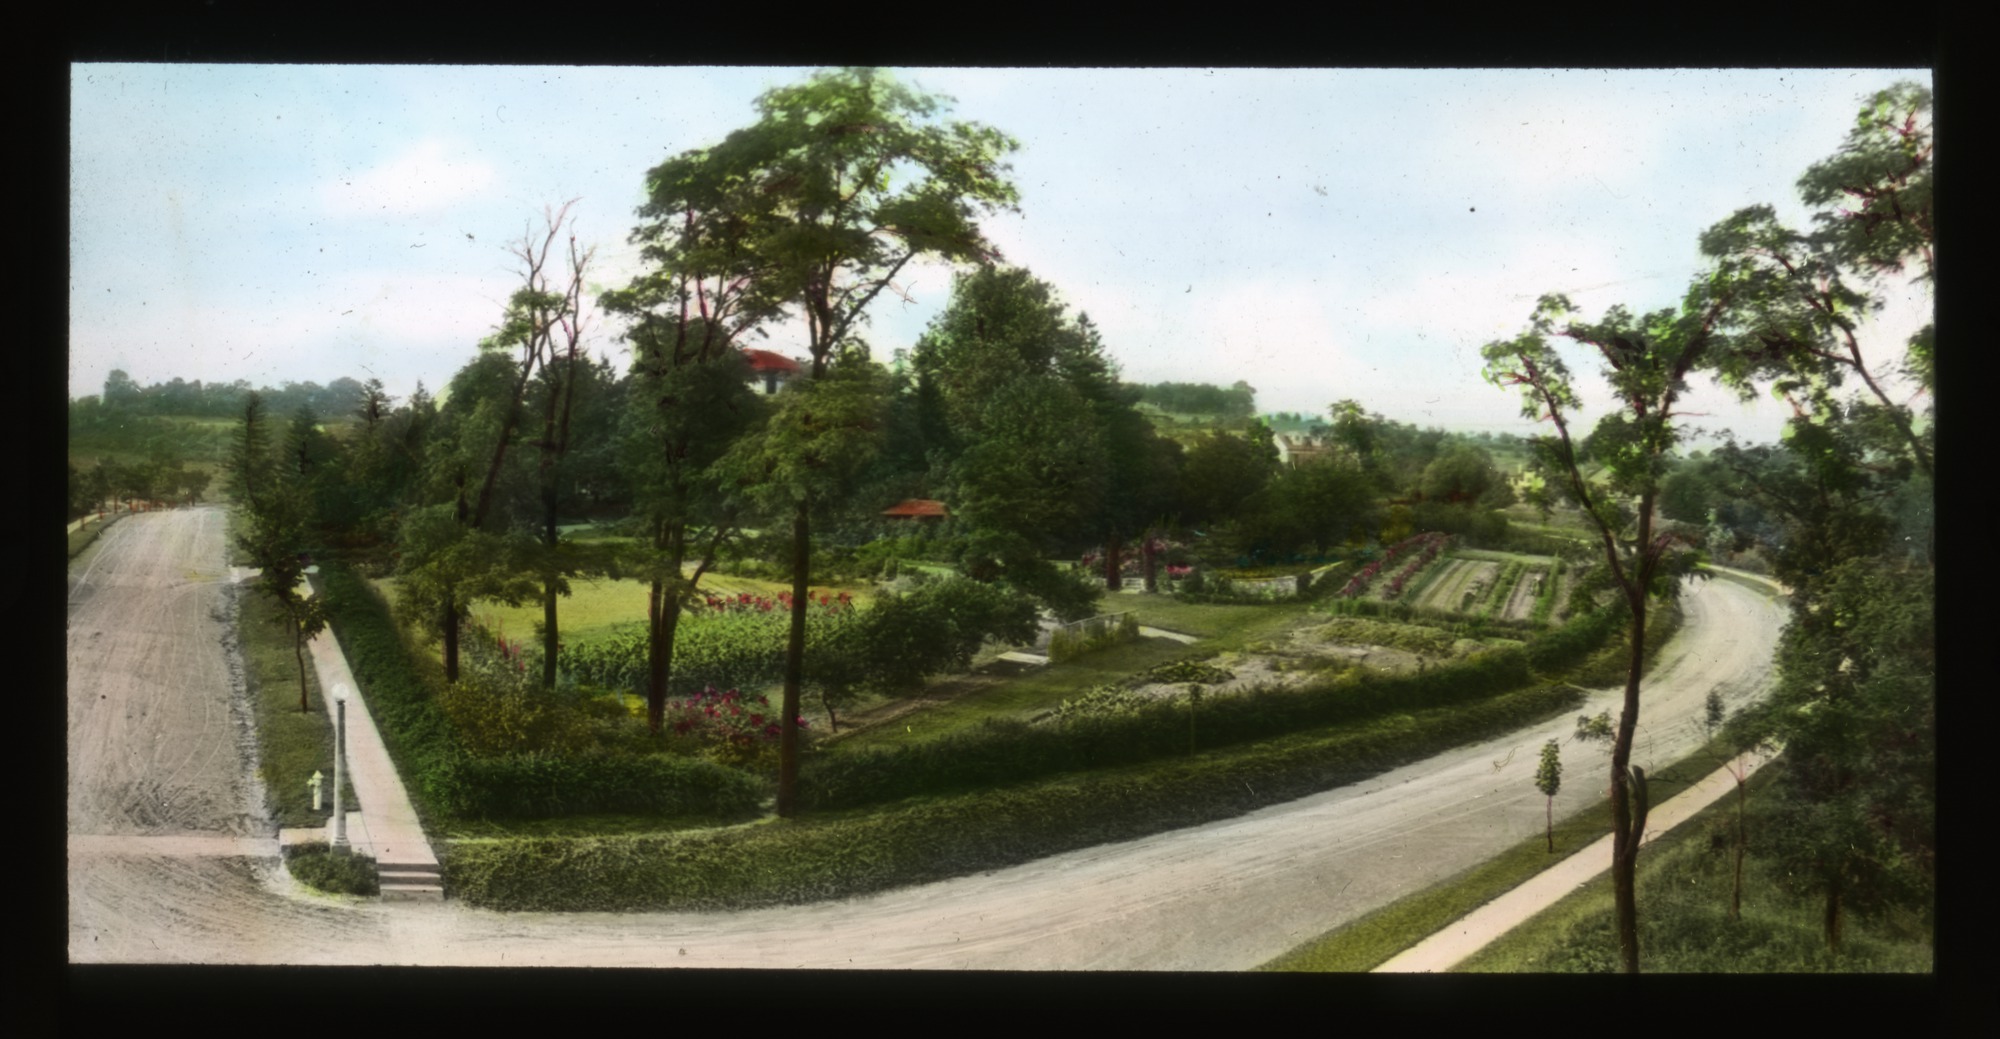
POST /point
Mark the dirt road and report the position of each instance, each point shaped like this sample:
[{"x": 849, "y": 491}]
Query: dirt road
[{"x": 1226, "y": 896}]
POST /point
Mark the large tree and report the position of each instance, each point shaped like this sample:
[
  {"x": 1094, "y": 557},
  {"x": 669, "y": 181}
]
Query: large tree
[
  {"x": 840, "y": 185},
  {"x": 485, "y": 417},
  {"x": 1843, "y": 507},
  {"x": 1647, "y": 361}
]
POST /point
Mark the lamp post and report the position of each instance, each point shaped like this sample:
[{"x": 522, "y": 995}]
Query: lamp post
[{"x": 339, "y": 842}]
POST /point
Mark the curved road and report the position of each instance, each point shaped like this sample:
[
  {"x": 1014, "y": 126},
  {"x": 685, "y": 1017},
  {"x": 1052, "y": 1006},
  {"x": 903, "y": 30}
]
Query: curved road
[{"x": 181, "y": 883}]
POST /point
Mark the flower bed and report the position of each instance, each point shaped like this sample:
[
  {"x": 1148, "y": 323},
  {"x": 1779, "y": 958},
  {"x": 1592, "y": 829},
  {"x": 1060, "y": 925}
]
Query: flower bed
[{"x": 1425, "y": 545}]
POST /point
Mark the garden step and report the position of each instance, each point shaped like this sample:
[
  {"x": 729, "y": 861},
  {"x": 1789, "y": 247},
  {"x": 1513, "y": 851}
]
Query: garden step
[
  {"x": 405, "y": 876},
  {"x": 412, "y": 892}
]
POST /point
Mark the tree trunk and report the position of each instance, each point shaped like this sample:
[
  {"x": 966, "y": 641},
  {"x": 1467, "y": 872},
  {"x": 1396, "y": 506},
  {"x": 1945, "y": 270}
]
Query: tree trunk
[
  {"x": 1833, "y": 916},
  {"x": 832, "y": 723},
  {"x": 795, "y": 654},
  {"x": 551, "y": 635},
  {"x": 1113, "y": 562},
  {"x": 299, "y": 651},
  {"x": 663, "y": 617},
  {"x": 1551, "y": 819},
  {"x": 1736, "y": 896},
  {"x": 1149, "y": 564},
  {"x": 448, "y": 623},
  {"x": 1624, "y": 838}
]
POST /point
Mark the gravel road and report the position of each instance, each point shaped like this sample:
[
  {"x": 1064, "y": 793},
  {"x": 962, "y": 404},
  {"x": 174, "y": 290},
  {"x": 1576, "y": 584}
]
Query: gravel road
[{"x": 1225, "y": 896}]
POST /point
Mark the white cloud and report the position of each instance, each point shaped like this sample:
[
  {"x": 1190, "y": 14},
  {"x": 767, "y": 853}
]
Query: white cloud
[{"x": 424, "y": 179}]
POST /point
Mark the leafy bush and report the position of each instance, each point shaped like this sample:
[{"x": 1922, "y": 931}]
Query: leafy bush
[
  {"x": 316, "y": 866},
  {"x": 1067, "y": 644},
  {"x": 1180, "y": 672},
  {"x": 1101, "y": 700},
  {"x": 499, "y": 709}
]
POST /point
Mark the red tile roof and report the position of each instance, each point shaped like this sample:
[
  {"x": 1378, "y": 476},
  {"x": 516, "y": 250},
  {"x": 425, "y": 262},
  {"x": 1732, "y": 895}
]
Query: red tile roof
[
  {"x": 766, "y": 361},
  {"x": 915, "y": 507}
]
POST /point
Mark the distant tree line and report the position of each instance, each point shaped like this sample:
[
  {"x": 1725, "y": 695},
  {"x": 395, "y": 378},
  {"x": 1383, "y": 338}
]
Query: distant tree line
[{"x": 1238, "y": 401}]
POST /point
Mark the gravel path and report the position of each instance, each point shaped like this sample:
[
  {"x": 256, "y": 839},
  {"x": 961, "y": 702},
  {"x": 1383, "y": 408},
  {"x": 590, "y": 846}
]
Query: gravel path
[{"x": 1226, "y": 896}]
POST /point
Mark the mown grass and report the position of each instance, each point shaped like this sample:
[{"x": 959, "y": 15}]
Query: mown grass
[
  {"x": 1222, "y": 626},
  {"x": 291, "y": 744},
  {"x": 842, "y": 854},
  {"x": 1376, "y": 937},
  {"x": 1685, "y": 881},
  {"x": 85, "y": 536}
]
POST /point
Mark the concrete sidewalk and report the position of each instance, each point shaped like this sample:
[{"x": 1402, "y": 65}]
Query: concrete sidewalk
[
  {"x": 386, "y": 827},
  {"x": 1478, "y": 929}
]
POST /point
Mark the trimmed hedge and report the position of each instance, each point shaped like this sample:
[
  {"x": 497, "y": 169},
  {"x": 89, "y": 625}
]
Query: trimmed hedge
[
  {"x": 923, "y": 840},
  {"x": 539, "y": 786},
  {"x": 1005, "y": 751}
]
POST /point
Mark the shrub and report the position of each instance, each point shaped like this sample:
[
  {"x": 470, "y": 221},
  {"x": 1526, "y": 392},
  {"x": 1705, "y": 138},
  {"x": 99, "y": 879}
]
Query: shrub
[
  {"x": 1090, "y": 636},
  {"x": 316, "y": 866}
]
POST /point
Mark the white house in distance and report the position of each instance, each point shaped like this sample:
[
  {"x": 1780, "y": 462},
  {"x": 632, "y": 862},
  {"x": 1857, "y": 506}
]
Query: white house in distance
[
  {"x": 1296, "y": 448},
  {"x": 769, "y": 371}
]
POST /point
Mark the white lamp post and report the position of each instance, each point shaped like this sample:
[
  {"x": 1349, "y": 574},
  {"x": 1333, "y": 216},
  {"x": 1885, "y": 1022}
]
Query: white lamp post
[{"x": 339, "y": 842}]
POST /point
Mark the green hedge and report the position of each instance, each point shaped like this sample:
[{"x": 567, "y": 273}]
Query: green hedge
[
  {"x": 540, "y": 786},
  {"x": 923, "y": 840},
  {"x": 1004, "y": 751}
]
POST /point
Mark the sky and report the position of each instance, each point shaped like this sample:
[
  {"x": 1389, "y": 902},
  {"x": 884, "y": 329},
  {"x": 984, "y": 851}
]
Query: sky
[{"x": 1319, "y": 233}]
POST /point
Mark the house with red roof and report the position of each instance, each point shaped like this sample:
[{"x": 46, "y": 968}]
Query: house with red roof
[{"x": 771, "y": 371}]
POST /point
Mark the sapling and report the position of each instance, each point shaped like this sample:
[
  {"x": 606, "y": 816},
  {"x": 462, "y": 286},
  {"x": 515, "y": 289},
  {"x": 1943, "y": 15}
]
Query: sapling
[{"x": 1549, "y": 779}]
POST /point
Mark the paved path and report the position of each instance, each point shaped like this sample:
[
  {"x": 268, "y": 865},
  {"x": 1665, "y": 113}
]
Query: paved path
[
  {"x": 387, "y": 829},
  {"x": 1480, "y": 928}
]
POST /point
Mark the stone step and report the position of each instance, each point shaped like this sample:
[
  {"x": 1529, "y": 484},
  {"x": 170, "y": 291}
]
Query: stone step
[
  {"x": 404, "y": 876},
  {"x": 412, "y": 892}
]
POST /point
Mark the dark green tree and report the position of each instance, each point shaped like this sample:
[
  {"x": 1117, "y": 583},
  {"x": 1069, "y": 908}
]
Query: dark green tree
[
  {"x": 250, "y": 464},
  {"x": 843, "y": 181}
]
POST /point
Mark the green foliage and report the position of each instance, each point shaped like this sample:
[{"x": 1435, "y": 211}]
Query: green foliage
[
  {"x": 1114, "y": 699},
  {"x": 1068, "y": 643},
  {"x": 1197, "y": 398},
  {"x": 1180, "y": 672},
  {"x": 540, "y": 785},
  {"x": 942, "y": 835},
  {"x": 315, "y": 865},
  {"x": 498, "y": 707},
  {"x": 1000, "y": 752},
  {"x": 1549, "y": 770},
  {"x": 1412, "y": 638}
]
